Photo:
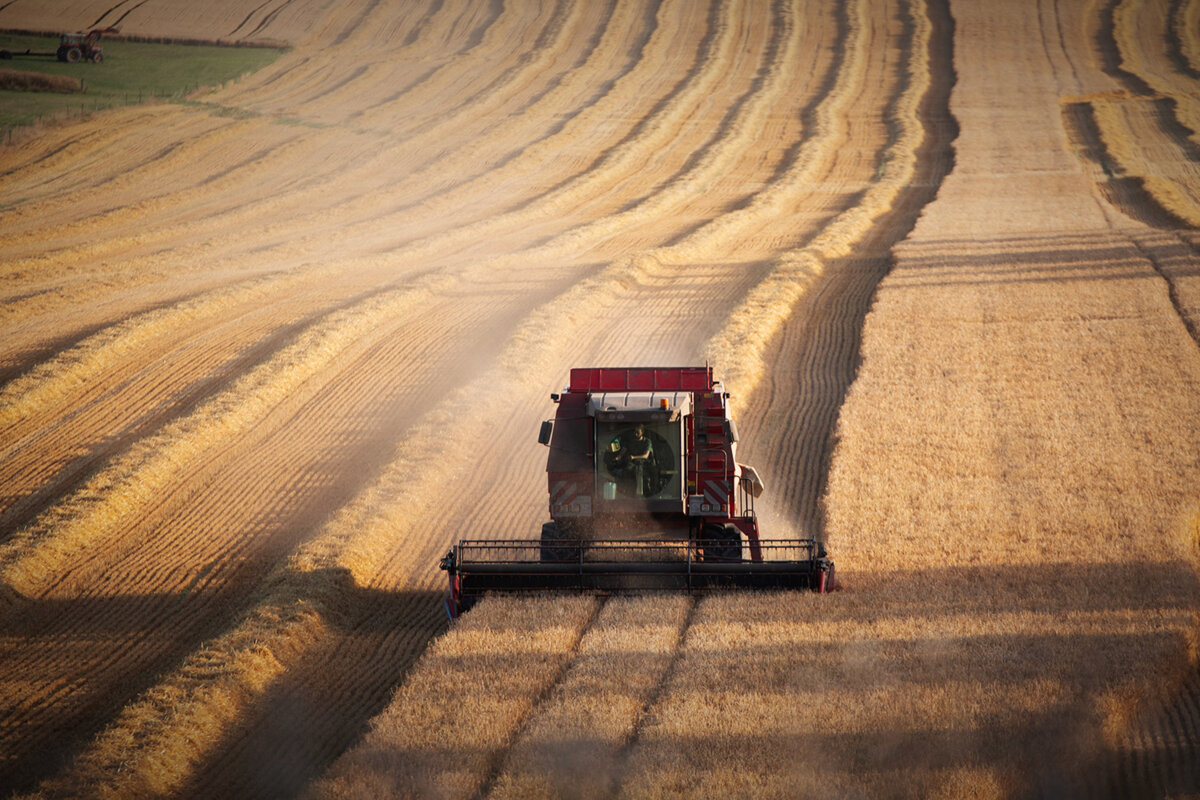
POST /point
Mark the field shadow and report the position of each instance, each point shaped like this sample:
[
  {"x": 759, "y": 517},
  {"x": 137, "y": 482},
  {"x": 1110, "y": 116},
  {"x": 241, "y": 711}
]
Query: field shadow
[
  {"x": 1025, "y": 262},
  {"x": 324, "y": 700},
  {"x": 327, "y": 698},
  {"x": 322, "y": 708}
]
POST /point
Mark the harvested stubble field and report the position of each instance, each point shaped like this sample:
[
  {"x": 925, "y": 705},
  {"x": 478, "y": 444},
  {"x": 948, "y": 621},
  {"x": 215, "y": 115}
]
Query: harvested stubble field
[{"x": 266, "y": 353}]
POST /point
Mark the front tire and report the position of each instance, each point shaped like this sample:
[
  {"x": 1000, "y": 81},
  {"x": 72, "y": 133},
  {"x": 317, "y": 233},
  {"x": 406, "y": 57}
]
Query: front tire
[
  {"x": 557, "y": 547},
  {"x": 722, "y": 544}
]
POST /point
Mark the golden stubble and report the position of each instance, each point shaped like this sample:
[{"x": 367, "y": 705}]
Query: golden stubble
[{"x": 465, "y": 699}]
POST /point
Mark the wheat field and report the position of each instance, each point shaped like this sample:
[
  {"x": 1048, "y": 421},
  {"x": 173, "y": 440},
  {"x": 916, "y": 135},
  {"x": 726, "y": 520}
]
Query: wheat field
[{"x": 270, "y": 349}]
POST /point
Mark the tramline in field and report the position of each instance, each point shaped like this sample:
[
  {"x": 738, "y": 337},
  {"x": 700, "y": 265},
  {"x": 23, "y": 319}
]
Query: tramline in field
[{"x": 645, "y": 494}]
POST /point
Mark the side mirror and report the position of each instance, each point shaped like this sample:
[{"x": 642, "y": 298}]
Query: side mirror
[{"x": 544, "y": 433}]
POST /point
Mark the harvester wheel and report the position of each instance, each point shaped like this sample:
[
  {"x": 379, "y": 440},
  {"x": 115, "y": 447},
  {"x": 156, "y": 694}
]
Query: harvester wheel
[
  {"x": 556, "y": 547},
  {"x": 722, "y": 544},
  {"x": 74, "y": 54},
  {"x": 97, "y": 58},
  {"x": 825, "y": 580}
]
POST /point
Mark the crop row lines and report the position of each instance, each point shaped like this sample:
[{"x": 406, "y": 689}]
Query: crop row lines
[
  {"x": 64, "y": 374},
  {"x": 51, "y": 383},
  {"x": 38, "y": 551},
  {"x": 334, "y": 74},
  {"x": 1187, "y": 23},
  {"x": 142, "y": 175},
  {"x": 323, "y": 220},
  {"x": 353, "y": 539},
  {"x": 62, "y": 377},
  {"x": 539, "y": 63},
  {"x": 1157, "y": 94},
  {"x": 742, "y": 346}
]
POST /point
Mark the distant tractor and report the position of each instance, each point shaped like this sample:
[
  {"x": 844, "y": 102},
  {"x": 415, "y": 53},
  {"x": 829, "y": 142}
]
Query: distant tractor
[{"x": 76, "y": 47}]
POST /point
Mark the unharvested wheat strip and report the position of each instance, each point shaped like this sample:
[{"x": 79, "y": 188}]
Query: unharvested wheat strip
[
  {"x": 35, "y": 553},
  {"x": 1168, "y": 180},
  {"x": 498, "y": 661},
  {"x": 1021, "y": 453},
  {"x": 572, "y": 745},
  {"x": 740, "y": 348},
  {"x": 1140, "y": 35},
  {"x": 1189, "y": 32}
]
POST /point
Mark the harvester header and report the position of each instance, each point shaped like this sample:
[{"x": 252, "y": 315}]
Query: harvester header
[{"x": 645, "y": 493}]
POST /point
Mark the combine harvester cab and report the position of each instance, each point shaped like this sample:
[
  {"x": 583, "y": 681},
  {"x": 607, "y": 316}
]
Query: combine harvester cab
[{"x": 646, "y": 494}]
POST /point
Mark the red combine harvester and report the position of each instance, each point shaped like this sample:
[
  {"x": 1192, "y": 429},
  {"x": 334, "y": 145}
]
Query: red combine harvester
[{"x": 645, "y": 494}]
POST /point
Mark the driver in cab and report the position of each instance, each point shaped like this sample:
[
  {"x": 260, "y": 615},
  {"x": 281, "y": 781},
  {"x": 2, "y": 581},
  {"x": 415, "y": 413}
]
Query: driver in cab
[{"x": 636, "y": 447}]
